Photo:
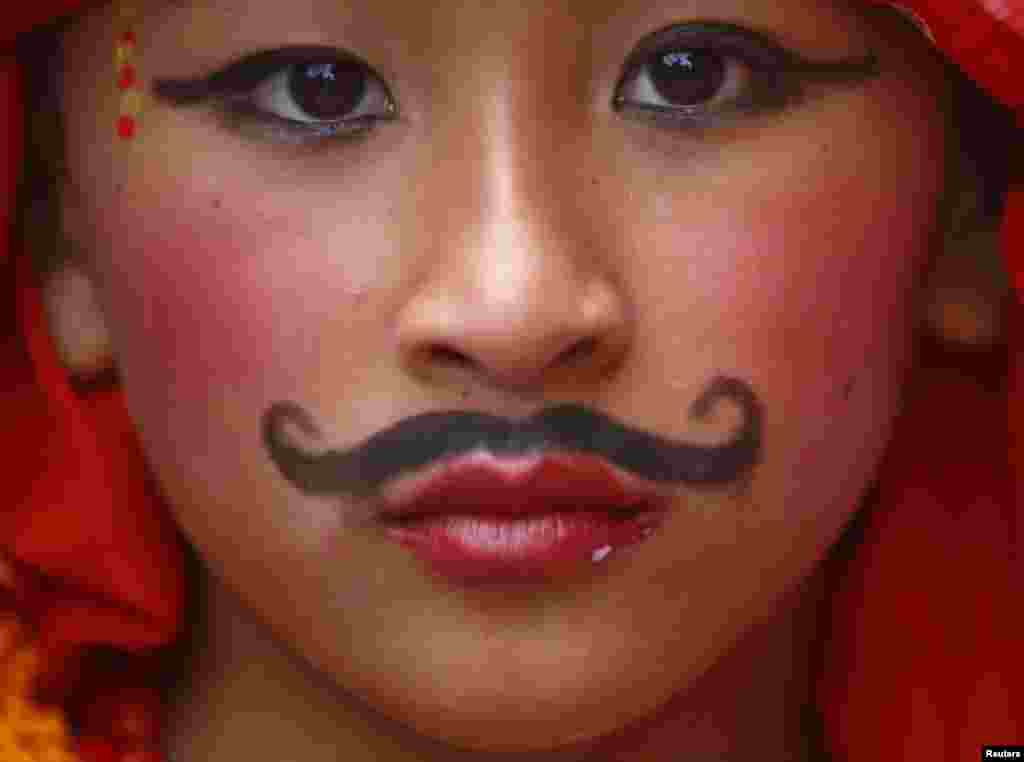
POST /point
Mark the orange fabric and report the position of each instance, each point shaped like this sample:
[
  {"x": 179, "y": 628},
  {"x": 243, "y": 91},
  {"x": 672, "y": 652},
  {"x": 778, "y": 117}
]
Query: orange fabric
[{"x": 925, "y": 655}]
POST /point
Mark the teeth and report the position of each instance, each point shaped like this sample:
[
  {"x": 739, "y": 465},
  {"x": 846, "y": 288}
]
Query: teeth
[
  {"x": 601, "y": 553},
  {"x": 625, "y": 514}
]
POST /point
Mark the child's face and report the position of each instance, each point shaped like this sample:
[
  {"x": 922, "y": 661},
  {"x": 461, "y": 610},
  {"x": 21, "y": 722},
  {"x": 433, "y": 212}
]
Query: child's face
[{"x": 507, "y": 213}]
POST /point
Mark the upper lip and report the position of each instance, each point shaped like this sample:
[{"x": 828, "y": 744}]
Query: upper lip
[{"x": 526, "y": 485}]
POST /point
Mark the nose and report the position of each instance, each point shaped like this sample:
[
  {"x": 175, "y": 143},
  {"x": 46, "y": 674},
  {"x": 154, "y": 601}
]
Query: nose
[
  {"x": 515, "y": 327},
  {"x": 519, "y": 297}
]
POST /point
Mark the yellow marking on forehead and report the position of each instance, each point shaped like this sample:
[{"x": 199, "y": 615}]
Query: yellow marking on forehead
[
  {"x": 131, "y": 103},
  {"x": 123, "y": 53}
]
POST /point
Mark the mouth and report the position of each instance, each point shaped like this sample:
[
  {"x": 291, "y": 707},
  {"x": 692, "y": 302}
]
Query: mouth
[
  {"x": 616, "y": 515},
  {"x": 480, "y": 483},
  {"x": 480, "y": 520}
]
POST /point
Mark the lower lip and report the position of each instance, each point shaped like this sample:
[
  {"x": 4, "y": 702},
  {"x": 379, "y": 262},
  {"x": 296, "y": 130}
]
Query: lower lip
[{"x": 489, "y": 549}]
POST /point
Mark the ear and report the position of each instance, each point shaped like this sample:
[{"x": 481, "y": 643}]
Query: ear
[
  {"x": 968, "y": 290},
  {"x": 968, "y": 293},
  {"x": 77, "y": 324},
  {"x": 70, "y": 292}
]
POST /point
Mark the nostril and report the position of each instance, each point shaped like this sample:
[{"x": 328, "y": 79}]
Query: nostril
[
  {"x": 444, "y": 356},
  {"x": 581, "y": 348},
  {"x": 448, "y": 356}
]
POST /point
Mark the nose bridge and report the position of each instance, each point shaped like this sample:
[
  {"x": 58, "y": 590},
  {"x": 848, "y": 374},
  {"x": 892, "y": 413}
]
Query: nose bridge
[
  {"x": 511, "y": 282},
  {"x": 514, "y": 153},
  {"x": 503, "y": 179},
  {"x": 535, "y": 132},
  {"x": 530, "y": 224},
  {"x": 507, "y": 118}
]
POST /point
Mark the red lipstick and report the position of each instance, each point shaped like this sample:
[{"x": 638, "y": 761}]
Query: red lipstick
[{"x": 480, "y": 519}]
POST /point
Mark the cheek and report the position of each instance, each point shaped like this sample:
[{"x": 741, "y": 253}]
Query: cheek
[
  {"x": 807, "y": 257},
  {"x": 823, "y": 282},
  {"x": 829, "y": 281},
  {"x": 215, "y": 313},
  {"x": 801, "y": 275},
  {"x": 204, "y": 295},
  {"x": 196, "y": 314}
]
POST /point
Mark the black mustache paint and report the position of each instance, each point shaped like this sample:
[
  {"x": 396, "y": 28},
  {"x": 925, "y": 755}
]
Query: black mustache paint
[{"x": 425, "y": 439}]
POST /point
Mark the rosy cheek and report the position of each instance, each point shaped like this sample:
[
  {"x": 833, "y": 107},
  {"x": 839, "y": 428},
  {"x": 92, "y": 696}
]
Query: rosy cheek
[
  {"x": 212, "y": 301},
  {"x": 804, "y": 292}
]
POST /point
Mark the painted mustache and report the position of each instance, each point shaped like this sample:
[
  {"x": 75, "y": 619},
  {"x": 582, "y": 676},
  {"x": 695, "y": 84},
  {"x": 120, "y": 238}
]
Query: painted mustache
[
  {"x": 418, "y": 441},
  {"x": 421, "y": 440}
]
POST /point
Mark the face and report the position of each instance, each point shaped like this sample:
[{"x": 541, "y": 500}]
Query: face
[{"x": 453, "y": 208}]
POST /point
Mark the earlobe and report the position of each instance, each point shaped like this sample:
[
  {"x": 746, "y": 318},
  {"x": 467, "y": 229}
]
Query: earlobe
[
  {"x": 966, "y": 304},
  {"x": 967, "y": 288},
  {"x": 77, "y": 323}
]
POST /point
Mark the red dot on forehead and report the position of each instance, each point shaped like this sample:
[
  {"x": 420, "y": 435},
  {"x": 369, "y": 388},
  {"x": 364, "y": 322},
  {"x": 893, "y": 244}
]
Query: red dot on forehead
[
  {"x": 127, "y": 77},
  {"x": 126, "y": 127}
]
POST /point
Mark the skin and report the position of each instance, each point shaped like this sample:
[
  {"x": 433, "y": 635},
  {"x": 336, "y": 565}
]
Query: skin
[{"x": 506, "y": 216}]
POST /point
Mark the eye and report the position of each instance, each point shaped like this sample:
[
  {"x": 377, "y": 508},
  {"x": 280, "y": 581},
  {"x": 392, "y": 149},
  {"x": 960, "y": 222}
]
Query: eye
[
  {"x": 684, "y": 79},
  {"x": 298, "y": 95},
  {"x": 696, "y": 75},
  {"x": 323, "y": 94}
]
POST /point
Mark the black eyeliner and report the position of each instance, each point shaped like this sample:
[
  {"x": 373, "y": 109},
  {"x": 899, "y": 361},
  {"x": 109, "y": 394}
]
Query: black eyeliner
[
  {"x": 760, "y": 48},
  {"x": 779, "y": 73},
  {"x": 779, "y": 78},
  {"x": 244, "y": 75}
]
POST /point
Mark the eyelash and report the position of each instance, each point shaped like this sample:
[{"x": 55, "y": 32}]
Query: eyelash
[
  {"x": 774, "y": 80},
  {"x": 764, "y": 87},
  {"x": 246, "y": 107}
]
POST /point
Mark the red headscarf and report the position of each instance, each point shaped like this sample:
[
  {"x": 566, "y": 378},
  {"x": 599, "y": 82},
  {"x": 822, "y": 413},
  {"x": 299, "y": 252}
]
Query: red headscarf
[{"x": 925, "y": 658}]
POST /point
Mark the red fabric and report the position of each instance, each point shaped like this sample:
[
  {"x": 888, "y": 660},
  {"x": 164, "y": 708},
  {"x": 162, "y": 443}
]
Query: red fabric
[
  {"x": 925, "y": 659},
  {"x": 925, "y": 654}
]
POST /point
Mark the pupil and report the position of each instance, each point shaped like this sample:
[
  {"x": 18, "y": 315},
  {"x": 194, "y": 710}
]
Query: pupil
[
  {"x": 687, "y": 77},
  {"x": 328, "y": 90}
]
